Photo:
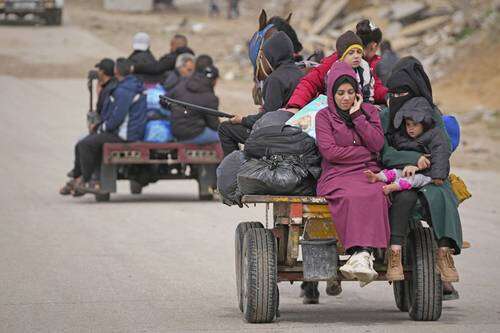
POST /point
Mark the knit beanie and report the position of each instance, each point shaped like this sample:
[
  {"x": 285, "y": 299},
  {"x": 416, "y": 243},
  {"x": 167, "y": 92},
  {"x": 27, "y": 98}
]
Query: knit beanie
[{"x": 346, "y": 42}]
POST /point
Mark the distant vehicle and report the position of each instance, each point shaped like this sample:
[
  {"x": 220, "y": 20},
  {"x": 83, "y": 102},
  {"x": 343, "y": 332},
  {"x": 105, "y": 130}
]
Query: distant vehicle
[
  {"x": 143, "y": 163},
  {"x": 48, "y": 10}
]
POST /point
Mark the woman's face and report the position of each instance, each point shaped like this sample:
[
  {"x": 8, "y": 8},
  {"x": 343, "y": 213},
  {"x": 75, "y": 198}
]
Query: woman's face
[
  {"x": 344, "y": 96},
  {"x": 371, "y": 50},
  {"x": 353, "y": 57}
]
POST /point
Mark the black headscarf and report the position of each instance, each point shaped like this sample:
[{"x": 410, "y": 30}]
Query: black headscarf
[
  {"x": 344, "y": 115},
  {"x": 408, "y": 75}
]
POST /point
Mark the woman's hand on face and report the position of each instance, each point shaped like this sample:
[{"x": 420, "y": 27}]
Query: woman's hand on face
[
  {"x": 357, "y": 104},
  {"x": 409, "y": 171},
  {"x": 423, "y": 162}
]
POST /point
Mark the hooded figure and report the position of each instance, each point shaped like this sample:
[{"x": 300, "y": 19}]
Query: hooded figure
[
  {"x": 284, "y": 76},
  {"x": 197, "y": 89},
  {"x": 407, "y": 76},
  {"x": 432, "y": 141},
  {"x": 359, "y": 208}
]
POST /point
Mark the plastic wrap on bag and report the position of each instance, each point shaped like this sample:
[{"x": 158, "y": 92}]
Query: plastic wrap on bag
[
  {"x": 276, "y": 175},
  {"x": 158, "y": 131},
  {"x": 227, "y": 184}
]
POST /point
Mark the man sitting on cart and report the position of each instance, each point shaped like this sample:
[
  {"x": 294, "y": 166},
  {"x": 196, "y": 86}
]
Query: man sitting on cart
[{"x": 125, "y": 121}]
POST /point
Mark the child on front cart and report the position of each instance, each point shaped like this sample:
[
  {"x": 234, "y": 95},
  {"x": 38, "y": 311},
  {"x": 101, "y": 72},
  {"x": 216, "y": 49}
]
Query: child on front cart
[{"x": 419, "y": 133}]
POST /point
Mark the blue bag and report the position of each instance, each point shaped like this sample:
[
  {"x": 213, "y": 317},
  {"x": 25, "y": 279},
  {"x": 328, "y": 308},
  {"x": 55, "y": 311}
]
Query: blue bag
[
  {"x": 158, "y": 131},
  {"x": 453, "y": 129},
  {"x": 153, "y": 99}
]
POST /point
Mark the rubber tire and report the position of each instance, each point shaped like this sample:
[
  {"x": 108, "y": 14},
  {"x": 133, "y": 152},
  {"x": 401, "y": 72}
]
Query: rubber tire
[
  {"x": 239, "y": 234},
  {"x": 426, "y": 289},
  {"x": 135, "y": 187},
  {"x": 260, "y": 276},
  {"x": 401, "y": 289},
  {"x": 53, "y": 16},
  {"x": 102, "y": 197}
]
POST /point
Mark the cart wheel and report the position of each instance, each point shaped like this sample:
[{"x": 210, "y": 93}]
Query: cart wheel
[
  {"x": 102, "y": 197},
  {"x": 425, "y": 287},
  {"x": 241, "y": 229},
  {"x": 260, "y": 276},
  {"x": 135, "y": 187},
  {"x": 402, "y": 288}
]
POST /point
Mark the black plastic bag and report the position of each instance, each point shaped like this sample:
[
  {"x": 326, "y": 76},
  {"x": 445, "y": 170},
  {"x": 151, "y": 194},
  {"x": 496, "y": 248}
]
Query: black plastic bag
[
  {"x": 276, "y": 175},
  {"x": 226, "y": 178},
  {"x": 282, "y": 140}
]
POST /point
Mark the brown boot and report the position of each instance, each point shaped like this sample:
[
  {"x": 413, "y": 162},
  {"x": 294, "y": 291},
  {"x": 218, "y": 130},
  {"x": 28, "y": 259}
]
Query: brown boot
[
  {"x": 394, "y": 266},
  {"x": 446, "y": 266}
]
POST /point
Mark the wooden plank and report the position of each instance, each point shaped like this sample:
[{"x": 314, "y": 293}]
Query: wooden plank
[
  {"x": 328, "y": 16},
  {"x": 283, "y": 198},
  {"x": 404, "y": 43},
  {"x": 421, "y": 27}
]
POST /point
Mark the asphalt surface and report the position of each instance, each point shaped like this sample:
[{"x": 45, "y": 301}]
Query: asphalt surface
[{"x": 163, "y": 261}]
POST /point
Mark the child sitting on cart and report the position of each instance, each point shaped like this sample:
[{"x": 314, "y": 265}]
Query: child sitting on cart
[{"x": 420, "y": 134}]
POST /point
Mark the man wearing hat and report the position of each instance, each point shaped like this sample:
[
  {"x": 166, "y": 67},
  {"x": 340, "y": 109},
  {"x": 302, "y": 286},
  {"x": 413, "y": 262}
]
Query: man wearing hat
[
  {"x": 142, "y": 56},
  {"x": 178, "y": 46},
  {"x": 107, "y": 82}
]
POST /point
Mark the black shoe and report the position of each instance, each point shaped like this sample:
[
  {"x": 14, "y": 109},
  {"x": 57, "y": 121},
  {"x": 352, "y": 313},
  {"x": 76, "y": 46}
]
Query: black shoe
[
  {"x": 333, "y": 287},
  {"x": 71, "y": 174},
  {"x": 311, "y": 292},
  {"x": 449, "y": 292}
]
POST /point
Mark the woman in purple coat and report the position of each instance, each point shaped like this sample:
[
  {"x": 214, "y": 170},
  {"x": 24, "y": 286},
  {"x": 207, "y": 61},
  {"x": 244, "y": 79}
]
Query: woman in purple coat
[{"x": 349, "y": 136}]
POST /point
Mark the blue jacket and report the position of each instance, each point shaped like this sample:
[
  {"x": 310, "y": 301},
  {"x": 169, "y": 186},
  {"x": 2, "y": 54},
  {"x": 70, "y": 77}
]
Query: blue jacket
[{"x": 127, "y": 113}]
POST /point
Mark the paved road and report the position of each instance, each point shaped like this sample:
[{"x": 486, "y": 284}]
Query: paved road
[{"x": 163, "y": 261}]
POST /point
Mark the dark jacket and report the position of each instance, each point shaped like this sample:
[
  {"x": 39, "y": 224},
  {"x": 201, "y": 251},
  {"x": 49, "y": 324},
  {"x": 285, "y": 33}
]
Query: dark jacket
[
  {"x": 144, "y": 58},
  {"x": 384, "y": 67},
  {"x": 127, "y": 110},
  {"x": 103, "y": 98},
  {"x": 433, "y": 141},
  {"x": 166, "y": 63},
  {"x": 172, "y": 79},
  {"x": 188, "y": 124},
  {"x": 279, "y": 86}
]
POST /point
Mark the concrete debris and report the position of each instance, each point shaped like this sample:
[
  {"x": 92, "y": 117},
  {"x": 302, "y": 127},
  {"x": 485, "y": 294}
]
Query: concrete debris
[
  {"x": 424, "y": 26},
  {"x": 407, "y": 11},
  {"x": 198, "y": 27},
  {"x": 328, "y": 16},
  {"x": 428, "y": 30}
]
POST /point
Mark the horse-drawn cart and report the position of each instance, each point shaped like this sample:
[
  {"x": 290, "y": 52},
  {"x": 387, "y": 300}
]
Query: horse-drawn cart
[{"x": 300, "y": 243}]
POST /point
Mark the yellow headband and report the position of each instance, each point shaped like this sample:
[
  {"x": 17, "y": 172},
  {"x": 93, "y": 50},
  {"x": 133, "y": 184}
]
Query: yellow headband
[{"x": 353, "y": 46}]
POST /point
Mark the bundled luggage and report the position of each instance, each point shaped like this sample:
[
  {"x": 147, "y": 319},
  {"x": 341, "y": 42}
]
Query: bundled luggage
[
  {"x": 278, "y": 159},
  {"x": 227, "y": 178},
  {"x": 276, "y": 175}
]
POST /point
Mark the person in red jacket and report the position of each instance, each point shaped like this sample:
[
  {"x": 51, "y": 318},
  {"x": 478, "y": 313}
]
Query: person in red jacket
[{"x": 314, "y": 82}]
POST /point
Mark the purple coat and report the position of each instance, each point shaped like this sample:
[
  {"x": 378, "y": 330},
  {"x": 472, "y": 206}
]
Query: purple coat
[{"x": 359, "y": 208}]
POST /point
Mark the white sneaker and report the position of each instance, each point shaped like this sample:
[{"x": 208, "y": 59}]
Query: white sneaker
[
  {"x": 360, "y": 267},
  {"x": 348, "y": 268}
]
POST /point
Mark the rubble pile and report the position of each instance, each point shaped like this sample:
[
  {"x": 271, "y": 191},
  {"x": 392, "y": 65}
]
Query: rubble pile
[{"x": 429, "y": 30}]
